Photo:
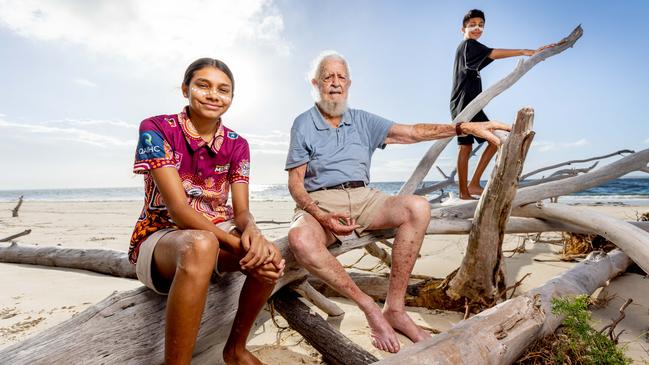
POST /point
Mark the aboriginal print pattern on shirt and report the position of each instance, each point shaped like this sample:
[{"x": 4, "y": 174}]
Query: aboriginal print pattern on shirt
[{"x": 206, "y": 171}]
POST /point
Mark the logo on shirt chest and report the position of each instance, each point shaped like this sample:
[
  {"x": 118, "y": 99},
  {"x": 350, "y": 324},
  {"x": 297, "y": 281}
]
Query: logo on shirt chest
[{"x": 222, "y": 168}]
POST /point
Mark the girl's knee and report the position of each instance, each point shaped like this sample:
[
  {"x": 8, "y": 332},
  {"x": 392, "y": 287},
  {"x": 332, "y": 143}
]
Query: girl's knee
[{"x": 198, "y": 252}]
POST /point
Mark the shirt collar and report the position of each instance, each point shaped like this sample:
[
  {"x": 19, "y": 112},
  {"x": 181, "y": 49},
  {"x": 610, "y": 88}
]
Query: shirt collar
[
  {"x": 194, "y": 139},
  {"x": 321, "y": 124}
]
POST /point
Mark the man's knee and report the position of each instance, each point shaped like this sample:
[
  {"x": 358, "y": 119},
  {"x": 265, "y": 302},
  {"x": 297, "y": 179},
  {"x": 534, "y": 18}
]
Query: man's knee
[
  {"x": 418, "y": 209},
  {"x": 197, "y": 254}
]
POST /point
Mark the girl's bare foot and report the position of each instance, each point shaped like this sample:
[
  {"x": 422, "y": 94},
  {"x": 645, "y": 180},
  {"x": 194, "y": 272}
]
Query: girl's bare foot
[{"x": 239, "y": 357}]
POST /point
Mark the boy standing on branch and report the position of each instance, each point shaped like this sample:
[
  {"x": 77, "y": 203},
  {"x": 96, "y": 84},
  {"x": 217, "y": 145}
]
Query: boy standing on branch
[{"x": 471, "y": 57}]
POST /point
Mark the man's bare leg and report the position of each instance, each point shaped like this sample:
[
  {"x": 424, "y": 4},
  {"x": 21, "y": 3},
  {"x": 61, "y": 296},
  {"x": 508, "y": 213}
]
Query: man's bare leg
[
  {"x": 464, "y": 152},
  {"x": 309, "y": 241},
  {"x": 410, "y": 215},
  {"x": 474, "y": 187}
]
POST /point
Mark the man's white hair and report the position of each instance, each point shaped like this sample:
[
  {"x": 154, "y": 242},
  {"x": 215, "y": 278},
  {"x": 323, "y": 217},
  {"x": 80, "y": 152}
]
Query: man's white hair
[{"x": 316, "y": 69}]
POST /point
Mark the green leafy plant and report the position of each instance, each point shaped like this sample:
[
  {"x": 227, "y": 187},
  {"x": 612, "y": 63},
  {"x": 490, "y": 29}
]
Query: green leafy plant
[
  {"x": 575, "y": 342},
  {"x": 583, "y": 343}
]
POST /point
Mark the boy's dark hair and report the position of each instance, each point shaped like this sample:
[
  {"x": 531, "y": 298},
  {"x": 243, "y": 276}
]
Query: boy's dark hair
[
  {"x": 473, "y": 13},
  {"x": 207, "y": 62}
]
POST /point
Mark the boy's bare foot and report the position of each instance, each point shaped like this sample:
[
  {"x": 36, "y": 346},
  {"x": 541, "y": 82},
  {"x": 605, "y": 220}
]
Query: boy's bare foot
[
  {"x": 402, "y": 322},
  {"x": 475, "y": 190},
  {"x": 383, "y": 336},
  {"x": 239, "y": 357},
  {"x": 467, "y": 197}
]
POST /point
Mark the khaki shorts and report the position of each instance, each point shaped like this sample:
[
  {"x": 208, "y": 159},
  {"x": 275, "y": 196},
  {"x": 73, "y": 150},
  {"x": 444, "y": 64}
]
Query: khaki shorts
[
  {"x": 362, "y": 204},
  {"x": 145, "y": 256}
]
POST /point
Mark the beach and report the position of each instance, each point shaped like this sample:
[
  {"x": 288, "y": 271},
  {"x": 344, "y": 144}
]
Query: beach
[{"x": 34, "y": 298}]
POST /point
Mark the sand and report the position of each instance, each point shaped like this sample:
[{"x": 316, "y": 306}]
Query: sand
[{"x": 34, "y": 298}]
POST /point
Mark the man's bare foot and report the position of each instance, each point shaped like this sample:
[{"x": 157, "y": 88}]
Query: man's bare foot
[
  {"x": 242, "y": 356},
  {"x": 475, "y": 190},
  {"x": 383, "y": 336},
  {"x": 401, "y": 321}
]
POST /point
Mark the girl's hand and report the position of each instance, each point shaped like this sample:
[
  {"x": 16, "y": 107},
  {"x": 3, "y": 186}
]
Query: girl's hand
[{"x": 255, "y": 245}]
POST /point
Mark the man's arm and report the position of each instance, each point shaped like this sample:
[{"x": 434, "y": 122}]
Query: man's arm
[
  {"x": 407, "y": 134},
  {"x": 330, "y": 221}
]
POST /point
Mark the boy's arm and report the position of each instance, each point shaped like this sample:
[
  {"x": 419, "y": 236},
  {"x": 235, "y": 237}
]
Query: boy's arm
[{"x": 498, "y": 53}]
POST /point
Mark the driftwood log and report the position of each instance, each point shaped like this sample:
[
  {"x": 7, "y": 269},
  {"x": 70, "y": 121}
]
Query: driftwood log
[
  {"x": 499, "y": 335},
  {"x": 321, "y": 335},
  {"x": 108, "y": 262},
  {"x": 481, "y": 277}
]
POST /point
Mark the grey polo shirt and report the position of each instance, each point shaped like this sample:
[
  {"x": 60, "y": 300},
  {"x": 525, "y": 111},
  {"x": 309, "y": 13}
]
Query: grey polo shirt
[{"x": 335, "y": 155}]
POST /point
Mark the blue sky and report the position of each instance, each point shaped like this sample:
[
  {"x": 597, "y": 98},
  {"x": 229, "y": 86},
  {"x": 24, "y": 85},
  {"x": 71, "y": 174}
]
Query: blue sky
[{"x": 78, "y": 77}]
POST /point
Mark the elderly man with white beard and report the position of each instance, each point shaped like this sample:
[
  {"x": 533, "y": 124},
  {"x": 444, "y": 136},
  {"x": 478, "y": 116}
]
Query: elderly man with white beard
[{"x": 328, "y": 164}]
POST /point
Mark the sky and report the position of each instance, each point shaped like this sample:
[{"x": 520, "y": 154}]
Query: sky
[{"x": 79, "y": 76}]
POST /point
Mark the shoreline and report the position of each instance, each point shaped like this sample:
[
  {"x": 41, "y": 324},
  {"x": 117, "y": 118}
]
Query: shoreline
[{"x": 30, "y": 305}]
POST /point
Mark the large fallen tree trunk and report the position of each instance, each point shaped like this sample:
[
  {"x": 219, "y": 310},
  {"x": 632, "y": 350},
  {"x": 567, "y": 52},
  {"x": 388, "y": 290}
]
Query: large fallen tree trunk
[
  {"x": 481, "y": 277},
  {"x": 128, "y": 327},
  {"x": 480, "y": 102},
  {"x": 500, "y": 335}
]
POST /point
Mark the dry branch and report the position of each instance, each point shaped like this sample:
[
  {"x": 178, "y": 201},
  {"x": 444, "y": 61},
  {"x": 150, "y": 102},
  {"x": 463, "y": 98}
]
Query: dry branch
[
  {"x": 614, "y": 170},
  {"x": 23, "y": 233},
  {"x": 568, "y": 163},
  {"x": 630, "y": 239},
  {"x": 14, "y": 212}
]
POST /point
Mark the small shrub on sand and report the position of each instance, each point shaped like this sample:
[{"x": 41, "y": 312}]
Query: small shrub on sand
[{"x": 575, "y": 342}]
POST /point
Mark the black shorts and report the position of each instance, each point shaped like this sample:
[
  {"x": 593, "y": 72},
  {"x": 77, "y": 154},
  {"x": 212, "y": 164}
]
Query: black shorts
[{"x": 468, "y": 139}]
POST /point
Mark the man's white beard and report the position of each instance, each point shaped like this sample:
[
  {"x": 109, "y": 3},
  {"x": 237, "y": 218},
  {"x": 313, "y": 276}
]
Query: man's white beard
[{"x": 333, "y": 108}]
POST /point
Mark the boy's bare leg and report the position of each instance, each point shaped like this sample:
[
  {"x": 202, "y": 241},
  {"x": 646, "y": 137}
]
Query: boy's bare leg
[
  {"x": 410, "y": 215},
  {"x": 186, "y": 259},
  {"x": 309, "y": 241},
  {"x": 474, "y": 187},
  {"x": 252, "y": 299},
  {"x": 464, "y": 152}
]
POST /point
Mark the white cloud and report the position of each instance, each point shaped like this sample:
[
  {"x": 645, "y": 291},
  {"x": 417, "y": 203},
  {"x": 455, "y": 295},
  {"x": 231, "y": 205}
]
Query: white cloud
[
  {"x": 95, "y": 122},
  {"x": 68, "y": 134},
  {"x": 545, "y": 146},
  {"x": 151, "y": 31},
  {"x": 84, "y": 83},
  {"x": 646, "y": 140}
]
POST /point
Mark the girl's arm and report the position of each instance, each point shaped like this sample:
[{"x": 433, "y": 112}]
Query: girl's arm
[
  {"x": 168, "y": 183},
  {"x": 259, "y": 250}
]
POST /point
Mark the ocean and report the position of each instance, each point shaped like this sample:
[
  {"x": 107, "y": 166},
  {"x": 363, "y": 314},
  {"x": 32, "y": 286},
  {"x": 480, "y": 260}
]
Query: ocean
[{"x": 626, "y": 191}]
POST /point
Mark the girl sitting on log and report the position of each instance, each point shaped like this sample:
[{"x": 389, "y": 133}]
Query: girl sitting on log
[{"x": 186, "y": 232}]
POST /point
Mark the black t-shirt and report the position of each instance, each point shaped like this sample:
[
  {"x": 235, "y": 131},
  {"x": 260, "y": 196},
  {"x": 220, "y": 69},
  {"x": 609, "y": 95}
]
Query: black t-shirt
[{"x": 471, "y": 57}]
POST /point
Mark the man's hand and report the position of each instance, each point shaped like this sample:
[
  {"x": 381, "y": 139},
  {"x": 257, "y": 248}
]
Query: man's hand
[
  {"x": 485, "y": 130},
  {"x": 258, "y": 249},
  {"x": 337, "y": 223}
]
